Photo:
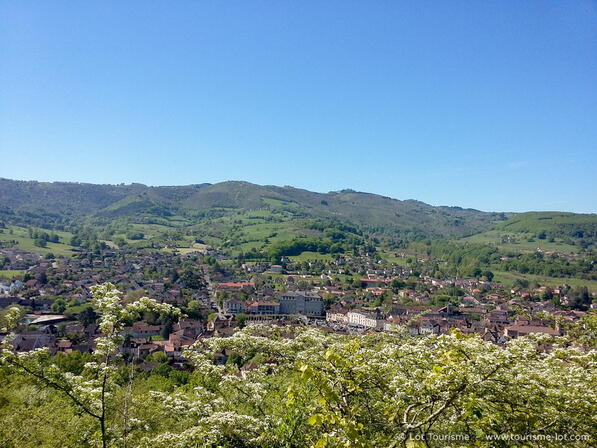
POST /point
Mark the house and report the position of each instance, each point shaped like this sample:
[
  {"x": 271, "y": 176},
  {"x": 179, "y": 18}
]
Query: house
[
  {"x": 143, "y": 330},
  {"x": 256, "y": 267},
  {"x": 301, "y": 302},
  {"x": 263, "y": 307},
  {"x": 145, "y": 349},
  {"x": 65, "y": 346},
  {"x": 429, "y": 326},
  {"x": 191, "y": 327},
  {"x": 4, "y": 289},
  {"x": 392, "y": 323},
  {"x": 176, "y": 342},
  {"x": 15, "y": 286},
  {"x": 238, "y": 286},
  {"x": 514, "y": 331},
  {"x": 468, "y": 301},
  {"x": 234, "y": 306},
  {"x": 373, "y": 283},
  {"x": 337, "y": 315},
  {"x": 367, "y": 319},
  {"x": 8, "y": 301},
  {"x": 499, "y": 317},
  {"x": 30, "y": 340}
]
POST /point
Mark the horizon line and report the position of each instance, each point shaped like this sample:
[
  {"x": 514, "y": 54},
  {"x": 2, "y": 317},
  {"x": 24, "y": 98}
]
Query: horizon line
[{"x": 288, "y": 186}]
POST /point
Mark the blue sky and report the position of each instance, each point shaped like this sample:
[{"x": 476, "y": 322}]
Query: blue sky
[{"x": 483, "y": 104}]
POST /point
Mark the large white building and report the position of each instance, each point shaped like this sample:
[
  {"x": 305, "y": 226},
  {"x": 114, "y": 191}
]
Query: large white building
[
  {"x": 234, "y": 306},
  {"x": 367, "y": 319},
  {"x": 301, "y": 302},
  {"x": 337, "y": 315}
]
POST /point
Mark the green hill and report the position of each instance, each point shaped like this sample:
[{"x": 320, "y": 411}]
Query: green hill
[
  {"x": 50, "y": 204},
  {"x": 549, "y": 231},
  {"x": 240, "y": 216},
  {"x": 553, "y": 224}
]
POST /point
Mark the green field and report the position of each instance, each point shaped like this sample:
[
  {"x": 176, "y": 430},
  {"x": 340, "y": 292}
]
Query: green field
[
  {"x": 312, "y": 256},
  {"x": 400, "y": 261},
  {"x": 521, "y": 243},
  {"x": 256, "y": 229},
  {"x": 508, "y": 278},
  {"x": 10, "y": 274},
  {"x": 551, "y": 222},
  {"x": 76, "y": 309},
  {"x": 26, "y": 243},
  {"x": 198, "y": 248}
]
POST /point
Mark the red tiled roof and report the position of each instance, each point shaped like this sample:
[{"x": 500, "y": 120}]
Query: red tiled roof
[{"x": 235, "y": 284}]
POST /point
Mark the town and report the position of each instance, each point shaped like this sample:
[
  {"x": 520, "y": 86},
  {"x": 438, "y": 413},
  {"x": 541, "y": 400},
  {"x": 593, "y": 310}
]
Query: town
[
  {"x": 298, "y": 224},
  {"x": 219, "y": 295}
]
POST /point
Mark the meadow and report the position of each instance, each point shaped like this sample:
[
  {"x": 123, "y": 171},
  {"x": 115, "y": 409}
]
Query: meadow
[{"x": 23, "y": 241}]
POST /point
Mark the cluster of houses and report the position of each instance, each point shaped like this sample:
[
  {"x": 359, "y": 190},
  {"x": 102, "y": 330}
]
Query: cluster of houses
[
  {"x": 140, "y": 339},
  {"x": 275, "y": 294},
  {"x": 72, "y": 277},
  {"x": 307, "y": 303},
  {"x": 498, "y": 325}
]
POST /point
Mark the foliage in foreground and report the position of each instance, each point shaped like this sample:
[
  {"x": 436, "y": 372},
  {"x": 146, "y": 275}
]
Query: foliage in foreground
[{"x": 301, "y": 387}]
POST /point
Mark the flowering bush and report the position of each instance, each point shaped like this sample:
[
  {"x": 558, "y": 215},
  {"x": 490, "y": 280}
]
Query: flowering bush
[
  {"x": 322, "y": 390},
  {"x": 301, "y": 387}
]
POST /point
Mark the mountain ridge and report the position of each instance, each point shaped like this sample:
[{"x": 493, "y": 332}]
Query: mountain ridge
[
  {"x": 137, "y": 185},
  {"x": 60, "y": 204},
  {"x": 86, "y": 200}
]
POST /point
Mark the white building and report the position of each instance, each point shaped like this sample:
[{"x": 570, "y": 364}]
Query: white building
[
  {"x": 367, "y": 319},
  {"x": 301, "y": 302},
  {"x": 337, "y": 315},
  {"x": 234, "y": 306}
]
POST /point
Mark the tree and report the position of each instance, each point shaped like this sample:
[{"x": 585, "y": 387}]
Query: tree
[
  {"x": 87, "y": 316},
  {"x": 193, "y": 309},
  {"x": 10, "y": 318},
  {"x": 93, "y": 391},
  {"x": 191, "y": 279},
  {"x": 135, "y": 235},
  {"x": 302, "y": 387},
  {"x": 241, "y": 320},
  {"x": 580, "y": 298},
  {"x": 41, "y": 278},
  {"x": 167, "y": 328},
  {"x": 397, "y": 285},
  {"x": 377, "y": 390},
  {"x": 159, "y": 357},
  {"x": 59, "y": 305},
  {"x": 75, "y": 241}
]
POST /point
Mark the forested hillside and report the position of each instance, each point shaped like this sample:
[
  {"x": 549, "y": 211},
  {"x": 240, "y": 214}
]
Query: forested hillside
[
  {"x": 266, "y": 223},
  {"x": 58, "y": 203}
]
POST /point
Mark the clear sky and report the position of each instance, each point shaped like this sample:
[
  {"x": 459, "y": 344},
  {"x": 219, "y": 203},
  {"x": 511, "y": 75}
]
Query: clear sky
[{"x": 483, "y": 104}]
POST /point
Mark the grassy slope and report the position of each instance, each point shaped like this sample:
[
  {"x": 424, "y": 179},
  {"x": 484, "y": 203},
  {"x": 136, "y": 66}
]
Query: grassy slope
[
  {"x": 238, "y": 216},
  {"x": 525, "y": 226},
  {"x": 521, "y": 244},
  {"x": 59, "y": 200},
  {"x": 312, "y": 256},
  {"x": 24, "y": 242},
  {"x": 241, "y": 231},
  {"x": 508, "y": 278},
  {"x": 10, "y": 274},
  {"x": 535, "y": 222},
  {"x": 565, "y": 230}
]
